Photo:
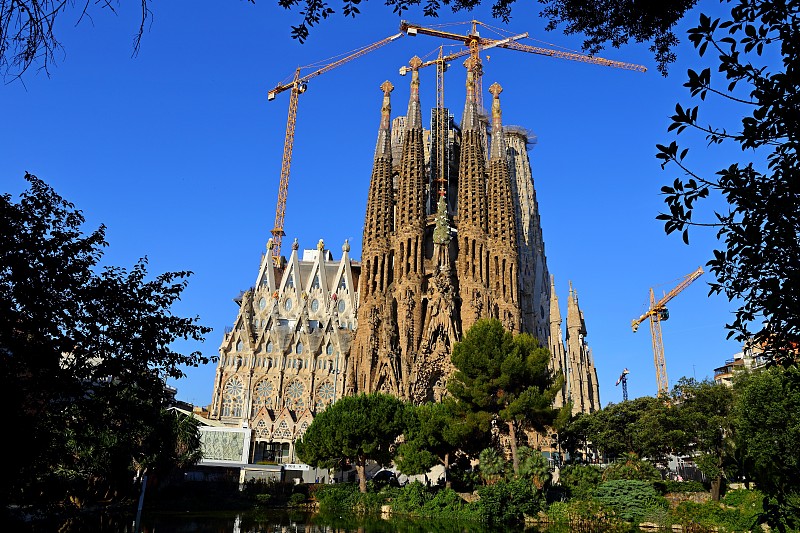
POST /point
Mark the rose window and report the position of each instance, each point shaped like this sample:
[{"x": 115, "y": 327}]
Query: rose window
[
  {"x": 325, "y": 391},
  {"x": 263, "y": 393},
  {"x": 294, "y": 393},
  {"x": 232, "y": 399}
]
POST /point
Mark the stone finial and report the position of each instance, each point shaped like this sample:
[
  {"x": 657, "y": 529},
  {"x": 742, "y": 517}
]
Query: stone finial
[
  {"x": 414, "y": 114},
  {"x": 346, "y": 246},
  {"x": 498, "y": 149},
  {"x": 387, "y": 87},
  {"x": 321, "y": 245},
  {"x": 270, "y": 244},
  {"x": 295, "y": 244}
]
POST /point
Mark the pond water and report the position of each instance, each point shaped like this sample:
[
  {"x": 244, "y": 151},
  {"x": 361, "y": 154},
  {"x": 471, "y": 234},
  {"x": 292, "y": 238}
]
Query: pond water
[{"x": 273, "y": 521}]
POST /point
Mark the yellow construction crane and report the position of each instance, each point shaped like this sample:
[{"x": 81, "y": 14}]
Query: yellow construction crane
[
  {"x": 298, "y": 86},
  {"x": 440, "y": 121},
  {"x": 657, "y": 313},
  {"x": 475, "y": 44}
]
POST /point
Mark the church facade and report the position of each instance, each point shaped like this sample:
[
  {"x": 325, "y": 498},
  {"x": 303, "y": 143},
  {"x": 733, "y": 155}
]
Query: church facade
[{"x": 452, "y": 234}]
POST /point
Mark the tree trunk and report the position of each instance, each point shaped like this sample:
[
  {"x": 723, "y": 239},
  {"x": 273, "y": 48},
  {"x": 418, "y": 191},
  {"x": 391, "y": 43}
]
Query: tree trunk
[
  {"x": 447, "y": 483},
  {"x": 362, "y": 476},
  {"x": 512, "y": 434},
  {"x": 716, "y": 485}
]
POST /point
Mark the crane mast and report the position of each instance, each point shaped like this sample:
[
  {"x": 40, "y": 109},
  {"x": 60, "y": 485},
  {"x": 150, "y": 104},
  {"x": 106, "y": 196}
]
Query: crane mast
[
  {"x": 658, "y": 312},
  {"x": 298, "y": 86}
]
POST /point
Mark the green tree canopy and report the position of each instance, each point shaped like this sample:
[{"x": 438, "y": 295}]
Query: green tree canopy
[
  {"x": 505, "y": 376},
  {"x": 354, "y": 429},
  {"x": 85, "y": 351},
  {"x": 641, "y": 426},
  {"x": 435, "y": 432},
  {"x": 767, "y": 431},
  {"x": 702, "y": 412}
]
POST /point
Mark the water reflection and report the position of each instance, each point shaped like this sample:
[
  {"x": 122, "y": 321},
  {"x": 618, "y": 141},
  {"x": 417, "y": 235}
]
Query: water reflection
[{"x": 264, "y": 522}]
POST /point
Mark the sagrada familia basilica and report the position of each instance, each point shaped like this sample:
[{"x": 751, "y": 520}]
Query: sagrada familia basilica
[{"x": 451, "y": 235}]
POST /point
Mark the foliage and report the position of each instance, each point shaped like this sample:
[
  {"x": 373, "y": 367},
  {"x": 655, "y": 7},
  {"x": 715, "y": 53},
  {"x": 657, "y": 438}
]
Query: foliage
[
  {"x": 85, "y": 354},
  {"x": 356, "y": 429},
  {"x": 631, "y": 467},
  {"x": 347, "y": 497},
  {"x": 703, "y": 413},
  {"x": 508, "y": 502},
  {"x": 492, "y": 466},
  {"x": 754, "y": 49},
  {"x": 534, "y": 467},
  {"x": 742, "y": 510},
  {"x": 585, "y": 515},
  {"x": 768, "y": 435},
  {"x": 504, "y": 376},
  {"x": 618, "y": 22},
  {"x": 296, "y": 499},
  {"x": 415, "y": 499},
  {"x": 642, "y": 426},
  {"x": 631, "y": 499},
  {"x": 666, "y": 486},
  {"x": 580, "y": 480},
  {"x": 436, "y": 432}
]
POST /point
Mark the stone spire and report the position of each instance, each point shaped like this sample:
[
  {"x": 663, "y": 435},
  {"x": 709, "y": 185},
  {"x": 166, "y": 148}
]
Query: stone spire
[
  {"x": 378, "y": 224},
  {"x": 502, "y": 226},
  {"x": 472, "y": 213},
  {"x": 383, "y": 149},
  {"x": 583, "y": 387},
  {"x": 498, "y": 137},
  {"x": 558, "y": 362},
  {"x": 414, "y": 112},
  {"x": 471, "y": 120},
  {"x": 411, "y": 183},
  {"x": 376, "y": 258}
]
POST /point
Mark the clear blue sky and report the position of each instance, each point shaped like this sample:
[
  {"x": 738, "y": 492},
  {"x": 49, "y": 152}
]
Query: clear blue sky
[{"x": 179, "y": 152}]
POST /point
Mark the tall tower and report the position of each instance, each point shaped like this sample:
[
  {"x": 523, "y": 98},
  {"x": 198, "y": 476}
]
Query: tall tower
[
  {"x": 374, "y": 342},
  {"x": 502, "y": 228},
  {"x": 429, "y": 276},
  {"x": 583, "y": 391},
  {"x": 472, "y": 262}
]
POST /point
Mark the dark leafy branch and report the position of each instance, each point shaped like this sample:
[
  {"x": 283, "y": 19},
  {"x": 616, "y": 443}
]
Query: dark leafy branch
[
  {"x": 28, "y": 30},
  {"x": 760, "y": 231}
]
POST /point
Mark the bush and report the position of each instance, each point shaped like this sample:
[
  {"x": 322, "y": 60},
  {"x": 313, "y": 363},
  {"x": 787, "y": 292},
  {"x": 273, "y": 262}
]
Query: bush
[
  {"x": 507, "y": 502},
  {"x": 585, "y": 515},
  {"x": 346, "y": 497},
  {"x": 411, "y": 498},
  {"x": 667, "y": 485},
  {"x": 739, "y": 510},
  {"x": 631, "y": 499},
  {"x": 580, "y": 481},
  {"x": 631, "y": 467},
  {"x": 297, "y": 499}
]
